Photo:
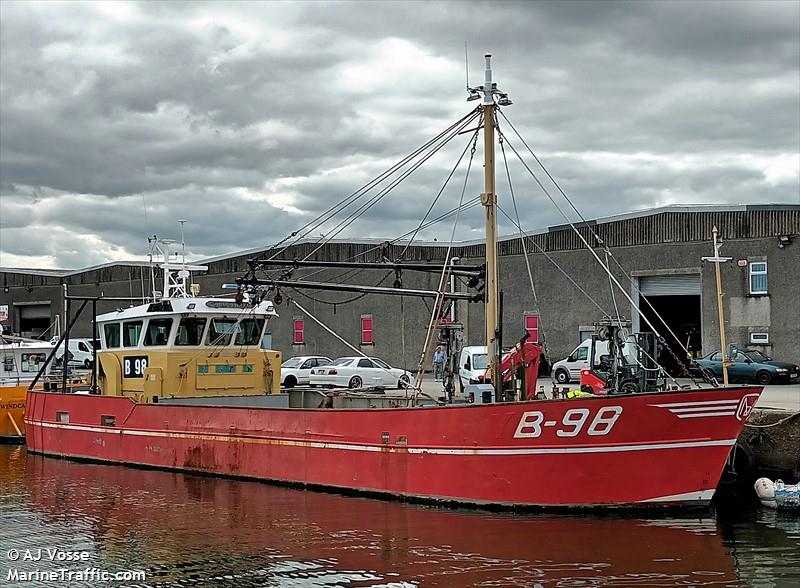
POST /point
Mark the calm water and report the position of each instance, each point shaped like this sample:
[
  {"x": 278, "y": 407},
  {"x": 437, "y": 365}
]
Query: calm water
[{"x": 202, "y": 532}]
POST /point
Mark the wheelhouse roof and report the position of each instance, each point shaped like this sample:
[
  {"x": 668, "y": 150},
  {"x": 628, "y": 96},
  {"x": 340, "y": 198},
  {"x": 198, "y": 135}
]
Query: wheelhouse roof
[{"x": 190, "y": 306}]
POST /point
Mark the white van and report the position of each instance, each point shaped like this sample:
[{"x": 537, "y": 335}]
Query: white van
[
  {"x": 80, "y": 350},
  {"x": 472, "y": 364},
  {"x": 569, "y": 369}
]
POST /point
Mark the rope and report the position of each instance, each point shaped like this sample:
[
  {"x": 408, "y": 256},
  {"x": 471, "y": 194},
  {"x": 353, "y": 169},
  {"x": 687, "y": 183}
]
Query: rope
[
  {"x": 555, "y": 263},
  {"x": 776, "y": 423}
]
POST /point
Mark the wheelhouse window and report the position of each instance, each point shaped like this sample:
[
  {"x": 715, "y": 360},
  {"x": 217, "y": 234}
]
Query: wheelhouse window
[
  {"x": 249, "y": 332},
  {"x": 532, "y": 327},
  {"x": 190, "y": 331},
  {"x": 157, "y": 333},
  {"x": 131, "y": 331},
  {"x": 758, "y": 277},
  {"x": 8, "y": 363},
  {"x": 111, "y": 333},
  {"x": 298, "y": 332},
  {"x": 366, "y": 330},
  {"x": 220, "y": 332}
]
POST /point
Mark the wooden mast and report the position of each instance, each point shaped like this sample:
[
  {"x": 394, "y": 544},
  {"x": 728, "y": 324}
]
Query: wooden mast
[
  {"x": 717, "y": 258},
  {"x": 489, "y": 200}
]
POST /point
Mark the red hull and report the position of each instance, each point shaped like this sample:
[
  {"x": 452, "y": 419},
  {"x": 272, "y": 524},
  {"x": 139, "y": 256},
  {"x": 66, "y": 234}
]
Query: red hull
[{"x": 646, "y": 449}]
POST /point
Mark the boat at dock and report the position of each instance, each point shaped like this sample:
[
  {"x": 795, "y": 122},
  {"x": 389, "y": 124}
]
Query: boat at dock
[
  {"x": 20, "y": 361},
  {"x": 182, "y": 382}
]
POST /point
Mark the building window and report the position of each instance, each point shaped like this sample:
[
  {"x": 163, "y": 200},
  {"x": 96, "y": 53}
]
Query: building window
[
  {"x": 366, "y": 330},
  {"x": 532, "y": 327},
  {"x": 299, "y": 337},
  {"x": 758, "y": 277}
]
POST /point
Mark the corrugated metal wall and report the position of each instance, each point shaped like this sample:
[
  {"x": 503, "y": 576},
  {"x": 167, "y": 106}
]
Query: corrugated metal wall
[{"x": 665, "y": 227}]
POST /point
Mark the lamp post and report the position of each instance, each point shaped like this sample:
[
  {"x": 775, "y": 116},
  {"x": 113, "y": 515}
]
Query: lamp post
[{"x": 717, "y": 259}]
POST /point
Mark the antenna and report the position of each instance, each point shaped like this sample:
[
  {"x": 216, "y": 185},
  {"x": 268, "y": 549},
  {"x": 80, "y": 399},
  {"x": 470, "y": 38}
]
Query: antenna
[
  {"x": 183, "y": 242},
  {"x": 466, "y": 63}
]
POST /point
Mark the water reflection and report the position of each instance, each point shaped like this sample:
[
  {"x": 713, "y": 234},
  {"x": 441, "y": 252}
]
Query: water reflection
[{"x": 202, "y": 531}]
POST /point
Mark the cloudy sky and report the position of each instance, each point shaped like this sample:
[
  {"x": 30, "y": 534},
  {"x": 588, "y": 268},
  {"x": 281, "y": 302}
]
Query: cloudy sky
[{"x": 249, "y": 119}]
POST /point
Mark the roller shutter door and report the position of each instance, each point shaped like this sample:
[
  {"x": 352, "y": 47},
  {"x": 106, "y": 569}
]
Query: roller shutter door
[
  {"x": 677, "y": 285},
  {"x": 34, "y": 311}
]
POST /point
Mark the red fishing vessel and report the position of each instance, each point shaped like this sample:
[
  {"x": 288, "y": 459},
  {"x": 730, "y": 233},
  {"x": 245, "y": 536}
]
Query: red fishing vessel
[{"x": 183, "y": 384}]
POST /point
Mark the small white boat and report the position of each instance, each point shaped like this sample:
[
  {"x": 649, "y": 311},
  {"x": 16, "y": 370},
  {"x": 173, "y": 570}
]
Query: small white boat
[{"x": 777, "y": 494}]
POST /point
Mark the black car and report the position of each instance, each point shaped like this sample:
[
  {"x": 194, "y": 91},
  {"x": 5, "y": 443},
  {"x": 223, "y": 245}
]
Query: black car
[{"x": 750, "y": 365}]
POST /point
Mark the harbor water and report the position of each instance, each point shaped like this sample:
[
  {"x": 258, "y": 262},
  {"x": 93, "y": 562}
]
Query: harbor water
[{"x": 197, "y": 531}]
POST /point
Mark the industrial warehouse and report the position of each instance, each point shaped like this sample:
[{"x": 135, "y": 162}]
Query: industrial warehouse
[{"x": 654, "y": 253}]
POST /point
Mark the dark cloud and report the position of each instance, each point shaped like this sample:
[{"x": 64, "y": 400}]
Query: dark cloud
[{"x": 249, "y": 119}]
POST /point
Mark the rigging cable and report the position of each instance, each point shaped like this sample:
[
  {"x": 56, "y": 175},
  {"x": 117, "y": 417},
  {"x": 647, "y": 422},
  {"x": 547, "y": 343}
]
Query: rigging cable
[
  {"x": 313, "y": 224},
  {"x": 446, "y": 269},
  {"x": 524, "y": 248},
  {"x": 447, "y": 181},
  {"x": 339, "y": 337},
  {"x": 555, "y": 263},
  {"x": 581, "y": 290},
  {"x": 581, "y": 237},
  {"x": 380, "y": 195},
  {"x": 472, "y": 203},
  {"x": 605, "y": 247}
]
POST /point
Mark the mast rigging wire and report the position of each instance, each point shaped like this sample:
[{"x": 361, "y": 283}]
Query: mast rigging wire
[
  {"x": 581, "y": 237},
  {"x": 354, "y": 215},
  {"x": 605, "y": 247},
  {"x": 339, "y": 227},
  {"x": 320, "y": 219},
  {"x": 582, "y": 291},
  {"x": 446, "y": 268},
  {"x": 474, "y": 140},
  {"x": 524, "y": 248}
]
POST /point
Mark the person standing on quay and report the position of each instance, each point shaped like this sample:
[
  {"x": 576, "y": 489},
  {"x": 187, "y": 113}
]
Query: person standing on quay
[{"x": 438, "y": 363}]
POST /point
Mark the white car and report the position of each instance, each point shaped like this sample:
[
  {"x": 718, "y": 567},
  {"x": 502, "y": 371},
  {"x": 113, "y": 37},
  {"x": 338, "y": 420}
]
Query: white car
[
  {"x": 295, "y": 370},
  {"x": 359, "y": 372}
]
